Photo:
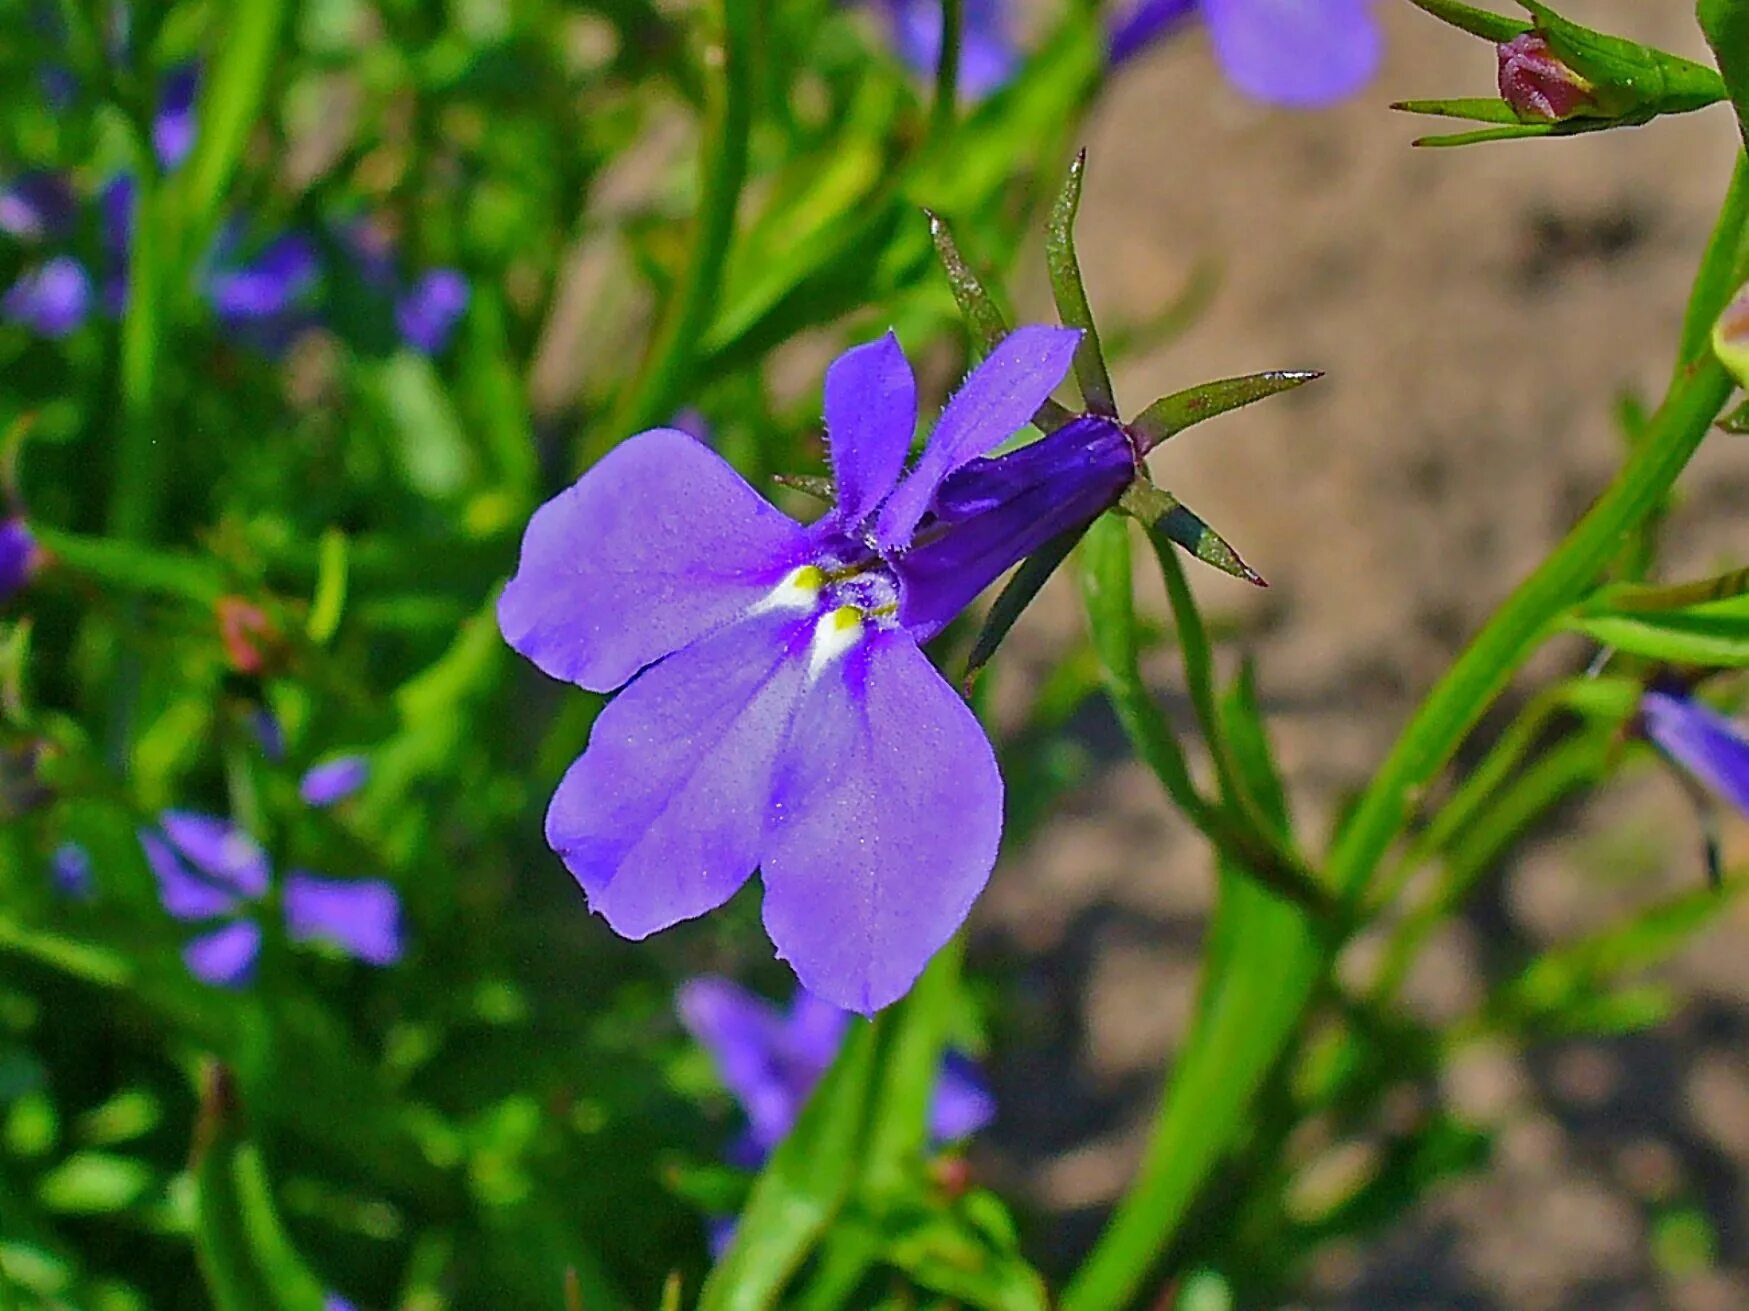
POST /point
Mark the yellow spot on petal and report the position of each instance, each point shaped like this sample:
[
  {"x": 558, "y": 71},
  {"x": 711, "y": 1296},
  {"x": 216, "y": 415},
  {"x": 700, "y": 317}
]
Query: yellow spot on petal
[
  {"x": 834, "y": 634},
  {"x": 799, "y": 590}
]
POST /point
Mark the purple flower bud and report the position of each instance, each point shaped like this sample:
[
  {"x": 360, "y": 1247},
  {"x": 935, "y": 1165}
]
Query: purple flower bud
[
  {"x": 334, "y": 780},
  {"x": 52, "y": 299},
  {"x": 1537, "y": 84},
  {"x": 70, "y": 872},
  {"x": 20, "y": 556},
  {"x": 38, "y": 207},
  {"x": 1730, "y": 339},
  {"x": 427, "y": 314},
  {"x": 173, "y": 127}
]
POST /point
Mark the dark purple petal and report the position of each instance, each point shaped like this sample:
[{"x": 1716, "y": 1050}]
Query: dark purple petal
[
  {"x": 994, "y": 513},
  {"x": 334, "y": 1302},
  {"x": 218, "y": 849},
  {"x": 70, "y": 872},
  {"x": 885, "y": 822},
  {"x": 267, "y": 287},
  {"x": 871, "y": 412},
  {"x": 1301, "y": 53},
  {"x": 427, "y": 315},
  {"x": 963, "y": 1103},
  {"x": 334, "y": 780},
  {"x": 1143, "y": 25},
  {"x": 185, "y": 894},
  {"x": 38, "y": 206},
  {"x": 660, "y": 818},
  {"x": 657, "y": 545},
  {"x": 360, "y": 916},
  {"x": 997, "y": 401},
  {"x": 744, "y": 1035},
  {"x": 20, "y": 556},
  {"x": 225, "y": 957},
  {"x": 1702, "y": 741},
  {"x": 268, "y": 733},
  {"x": 173, "y": 127},
  {"x": 52, "y": 299},
  {"x": 988, "y": 55},
  {"x": 115, "y": 204}
]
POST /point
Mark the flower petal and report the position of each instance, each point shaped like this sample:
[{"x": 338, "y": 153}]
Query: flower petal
[
  {"x": 218, "y": 849},
  {"x": 225, "y": 957},
  {"x": 660, "y": 818},
  {"x": 963, "y": 1103},
  {"x": 1142, "y": 26},
  {"x": 51, "y": 300},
  {"x": 185, "y": 895},
  {"x": 885, "y": 821},
  {"x": 871, "y": 411},
  {"x": 360, "y": 916},
  {"x": 987, "y": 51},
  {"x": 1302, "y": 53},
  {"x": 1702, "y": 741},
  {"x": 657, "y": 545},
  {"x": 333, "y": 781},
  {"x": 997, "y": 401},
  {"x": 174, "y": 125},
  {"x": 743, "y": 1034},
  {"x": 428, "y": 313}
]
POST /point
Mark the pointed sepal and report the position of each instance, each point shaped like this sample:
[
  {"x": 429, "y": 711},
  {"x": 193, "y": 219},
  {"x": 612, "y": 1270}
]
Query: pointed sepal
[
  {"x": 1166, "y": 516},
  {"x": 818, "y": 486},
  {"x": 1182, "y": 409},
  {"x": 1477, "y": 22},
  {"x": 1071, "y": 294}
]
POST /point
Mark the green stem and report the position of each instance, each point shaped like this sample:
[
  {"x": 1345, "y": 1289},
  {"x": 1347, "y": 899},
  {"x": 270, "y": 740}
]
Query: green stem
[
  {"x": 138, "y": 483},
  {"x": 947, "y": 67},
  {"x": 1699, "y": 392},
  {"x": 723, "y": 151}
]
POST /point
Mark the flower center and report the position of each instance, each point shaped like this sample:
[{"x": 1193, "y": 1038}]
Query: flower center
[{"x": 846, "y": 594}]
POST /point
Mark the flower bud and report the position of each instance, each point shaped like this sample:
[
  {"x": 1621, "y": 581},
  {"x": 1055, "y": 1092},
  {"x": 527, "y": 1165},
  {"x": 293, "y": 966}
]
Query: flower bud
[
  {"x": 20, "y": 556},
  {"x": 248, "y": 635},
  {"x": 1731, "y": 337},
  {"x": 1537, "y": 84}
]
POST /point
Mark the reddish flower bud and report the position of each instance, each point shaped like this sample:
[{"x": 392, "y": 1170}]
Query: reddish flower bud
[
  {"x": 1731, "y": 337},
  {"x": 248, "y": 635},
  {"x": 1537, "y": 84}
]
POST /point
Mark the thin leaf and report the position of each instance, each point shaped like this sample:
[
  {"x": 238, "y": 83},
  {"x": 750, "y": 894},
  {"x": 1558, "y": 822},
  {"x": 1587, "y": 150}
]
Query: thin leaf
[
  {"x": 1183, "y": 409},
  {"x": 1477, "y": 22},
  {"x": 1676, "y": 596},
  {"x": 230, "y": 102},
  {"x": 1726, "y": 24},
  {"x": 982, "y": 315},
  {"x": 1070, "y": 293},
  {"x": 1479, "y": 109}
]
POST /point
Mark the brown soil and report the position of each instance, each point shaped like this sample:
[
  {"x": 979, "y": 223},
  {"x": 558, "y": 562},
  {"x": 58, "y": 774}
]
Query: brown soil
[{"x": 1477, "y": 312}]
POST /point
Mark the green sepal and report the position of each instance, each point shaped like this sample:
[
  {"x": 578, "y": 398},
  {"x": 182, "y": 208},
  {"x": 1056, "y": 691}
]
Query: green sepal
[
  {"x": 1641, "y": 597},
  {"x": 1163, "y": 513},
  {"x": 1071, "y": 293},
  {"x": 1034, "y": 572},
  {"x": 1477, "y": 109},
  {"x": 816, "y": 485},
  {"x": 1726, "y": 24},
  {"x": 1711, "y": 634},
  {"x": 1626, "y": 75},
  {"x": 1183, "y": 409},
  {"x": 1477, "y": 22}
]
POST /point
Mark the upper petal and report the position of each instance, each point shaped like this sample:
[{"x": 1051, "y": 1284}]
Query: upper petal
[
  {"x": 218, "y": 849},
  {"x": 225, "y": 957},
  {"x": 997, "y": 401},
  {"x": 657, "y": 545},
  {"x": 1702, "y": 741},
  {"x": 1303, "y": 53},
  {"x": 871, "y": 410},
  {"x": 332, "y": 781},
  {"x": 885, "y": 823},
  {"x": 660, "y": 817},
  {"x": 361, "y": 916}
]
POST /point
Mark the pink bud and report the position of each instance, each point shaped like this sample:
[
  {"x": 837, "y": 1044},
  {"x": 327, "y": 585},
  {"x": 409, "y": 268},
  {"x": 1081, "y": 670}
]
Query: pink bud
[{"x": 1535, "y": 82}]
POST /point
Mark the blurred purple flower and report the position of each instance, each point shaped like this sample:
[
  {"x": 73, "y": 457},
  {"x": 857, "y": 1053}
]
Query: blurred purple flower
[
  {"x": 265, "y": 297},
  {"x": 988, "y": 54},
  {"x": 770, "y": 1059},
  {"x": 70, "y": 872},
  {"x": 428, "y": 313},
  {"x": 52, "y": 299},
  {"x": 780, "y": 712},
  {"x": 334, "y": 780},
  {"x": 38, "y": 206},
  {"x": 334, "y": 1302},
  {"x": 208, "y": 869},
  {"x": 174, "y": 125},
  {"x": 1299, "y": 53},
  {"x": 1701, "y": 741},
  {"x": 20, "y": 556},
  {"x": 265, "y": 725}
]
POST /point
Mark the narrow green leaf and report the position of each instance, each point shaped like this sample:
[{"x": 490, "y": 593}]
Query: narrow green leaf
[
  {"x": 94, "y": 1183},
  {"x": 330, "y": 597},
  {"x": 1513, "y": 133},
  {"x": 1477, "y": 22},
  {"x": 1712, "y": 634},
  {"x": 1183, "y": 409},
  {"x": 1674, "y": 596},
  {"x": 130, "y": 567},
  {"x": 1070, "y": 293},
  {"x": 803, "y": 1185},
  {"x": 230, "y": 100},
  {"x": 1479, "y": 109},
  {"x": 898, "y": 1129},
  {"x": 244, "y": 1253},
  {"x": 1015, "y": 596},
  {"x": 1726, "y": 24}
]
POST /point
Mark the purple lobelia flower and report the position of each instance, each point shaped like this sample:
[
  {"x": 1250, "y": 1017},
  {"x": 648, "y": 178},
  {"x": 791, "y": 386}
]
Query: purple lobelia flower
[
  {"x": 174, "y": 125},
  {"x": 1703, "y": 742},
  {"x": 209, "y": 871},
  {"x": 333, "y": 781},
  {"x": 426, "y": 315},
  {"x": 70, "y": 873},
  {"x": 778, "y": 711},
  {"x": 52, "y": 299},
  {"x": 1299, "y": 53},
  {"x": 20, "y": 556},
  {"x": 264, "y": 298},
  {"x": 770, "y": 1060},
  {"x": 988, "y": 54},
  {"x": 38, "y": 206}
]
